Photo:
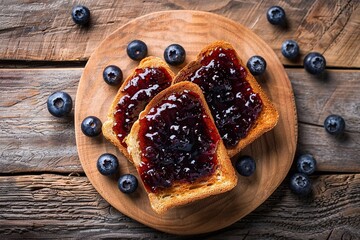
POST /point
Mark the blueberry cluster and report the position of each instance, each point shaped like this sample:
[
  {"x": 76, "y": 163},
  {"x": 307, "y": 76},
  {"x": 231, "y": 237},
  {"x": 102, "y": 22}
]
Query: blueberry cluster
[
  {"x": 174, "y": 54},
  {"x": 108, "y": 165},
  {"x": 300, "y": 183},
  {"x": 314, "y": 62}
]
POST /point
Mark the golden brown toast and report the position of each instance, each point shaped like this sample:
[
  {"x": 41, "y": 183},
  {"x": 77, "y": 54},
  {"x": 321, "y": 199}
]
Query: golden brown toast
[
  {"x": 223, "y": 177},
  {"x": 134, "y": 78},
  {"x": 266, "y": 119}
]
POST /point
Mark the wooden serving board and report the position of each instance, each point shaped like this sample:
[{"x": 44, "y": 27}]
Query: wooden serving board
[{"x": 273, "y": 152}]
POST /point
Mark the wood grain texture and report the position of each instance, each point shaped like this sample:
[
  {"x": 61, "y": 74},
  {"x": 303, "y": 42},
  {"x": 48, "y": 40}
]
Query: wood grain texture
[
  {"x": 53, "y": 206},
  {"x": 24, "y": 92},
  {"x": 273, "y": 151},
  {"x": 31, "y": 30},
  {"x": 334, "y": 92},
  {"x": 31, "y": 139}
]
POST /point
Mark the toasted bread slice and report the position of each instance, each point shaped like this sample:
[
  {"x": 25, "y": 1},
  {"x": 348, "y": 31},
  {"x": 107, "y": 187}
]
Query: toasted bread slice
[
  {"x": 138, "y": 75},
  {"x": 265, "y": 120},
  {"x": 223, "y": 177}
]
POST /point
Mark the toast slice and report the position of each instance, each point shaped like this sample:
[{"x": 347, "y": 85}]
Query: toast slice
[
  {"x": 240, "y": 108},
  {"x": 190, "y": 162},
  {"x": 148, "y": 79}
]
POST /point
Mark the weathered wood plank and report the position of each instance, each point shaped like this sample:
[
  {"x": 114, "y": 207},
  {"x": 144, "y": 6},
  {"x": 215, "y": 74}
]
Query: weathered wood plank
[
  {"x": 316, "y": 97},
  {"x": 332, "y": 154},
  {"x": 45, "y": 31},
  {"x": 34, "y": 141},
  {"x": 334, "y": 92},
  {"x": 53, "y": 206}
]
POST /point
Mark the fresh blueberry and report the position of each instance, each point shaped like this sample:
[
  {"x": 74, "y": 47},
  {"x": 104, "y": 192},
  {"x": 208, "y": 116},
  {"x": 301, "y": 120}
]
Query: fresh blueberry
[
  {"x": 81, "y": 15},
  {"x": 59, "y": 104},
  {"x": 256, "y": 65},
  {"x": 127, "y": 183},
  {"x": 112, "y": 75},
  {"x": 300, "y": 184},
  {"x": 174, "y": 54},
  {"x": 245, "y": 166},
  {"x": 137, "y": 50},
  {"x": 306, "y": 163},
  {"x": 91, "y": 126},
  {"x": 107, "y": 164},
  {"x": 276, "y": 15},
  {"x": 314, "y": 63},
  {"x": 334, "y": 124},
  {"x": 290, "y": 49}
]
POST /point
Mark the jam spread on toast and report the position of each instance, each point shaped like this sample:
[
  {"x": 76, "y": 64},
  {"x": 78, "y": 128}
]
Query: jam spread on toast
[
  {"x": 233, "y": 103},
  {"x": 178, "y": 142},
  {"x": 143, "y": 86}
]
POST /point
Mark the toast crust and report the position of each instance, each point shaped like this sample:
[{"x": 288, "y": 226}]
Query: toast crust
[
  {"x": 107, "y": 128},
  {"x": 223, "y": 179},
  {"x": 268, "y": 117}
]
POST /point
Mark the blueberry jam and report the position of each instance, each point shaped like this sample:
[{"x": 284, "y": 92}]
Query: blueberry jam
[
  {"x": 144, "y": 85},
  {"x": 178, "y": 142},
  {"x": 233, "y": 104}
]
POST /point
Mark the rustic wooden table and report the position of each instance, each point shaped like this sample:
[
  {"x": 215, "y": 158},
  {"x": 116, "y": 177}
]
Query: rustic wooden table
[{"x": 43, "y": 189}]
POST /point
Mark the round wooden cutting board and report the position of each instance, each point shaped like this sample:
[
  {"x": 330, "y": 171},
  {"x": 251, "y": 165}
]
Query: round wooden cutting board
[{"x": 273, "y": 152}]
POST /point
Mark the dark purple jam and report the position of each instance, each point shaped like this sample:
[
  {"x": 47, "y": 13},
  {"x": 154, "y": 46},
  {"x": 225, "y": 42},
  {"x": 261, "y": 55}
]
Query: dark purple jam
[
  {"x": 144, "y": 85},
  {"x": 178, "y": 142},
  {"x": 233, "y": 104}
]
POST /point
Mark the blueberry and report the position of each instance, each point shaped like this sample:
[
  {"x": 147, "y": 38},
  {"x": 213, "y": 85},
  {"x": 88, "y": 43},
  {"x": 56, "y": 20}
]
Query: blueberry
[
  {"x": 306, "y": 163},
  {"x": 245, "y": 166},
  {"x": 91, "y": 126},
  {"x": 127, "y": 183},
  {"x": 334, "y": 124},
  {"x": 174, "y": 54},
  {"x": 81, "y": 15},
  {"x": 59, "y": 104},
  {"x": 256, "y": 65},
  {"x": 137, "y": 50},
  {"x": 300, "y": 184},
  {"x": 112, "y": 75},
  {"x": 276, "y": 15},
  {"x": 314, "y": 63},
  {"x": 107, "y": 164},
  {"x": 290, "y": 49}
]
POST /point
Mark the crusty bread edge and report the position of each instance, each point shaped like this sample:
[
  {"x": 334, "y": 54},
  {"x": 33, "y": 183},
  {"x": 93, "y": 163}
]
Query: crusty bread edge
[
  {"x": 223, "y": 179},
  {"x": 107, "y": 128},
  {"x": 268, "y": 117}
]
